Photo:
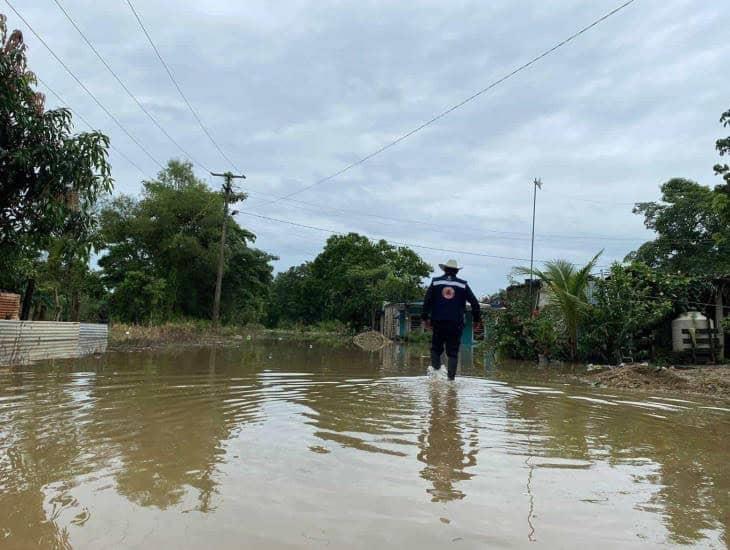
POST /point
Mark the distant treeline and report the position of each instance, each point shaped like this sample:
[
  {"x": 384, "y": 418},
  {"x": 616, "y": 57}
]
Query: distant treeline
[{"x": 156, "y": 259}]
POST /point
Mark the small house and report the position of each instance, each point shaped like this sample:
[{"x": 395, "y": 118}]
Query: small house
[
  {"x": 522, "y": 290},
  {"x": 400, "y": 319}
]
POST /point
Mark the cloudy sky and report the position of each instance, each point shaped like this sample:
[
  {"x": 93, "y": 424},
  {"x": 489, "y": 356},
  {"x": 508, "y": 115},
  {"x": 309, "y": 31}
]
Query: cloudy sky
[{"x": 295, "y": 91}]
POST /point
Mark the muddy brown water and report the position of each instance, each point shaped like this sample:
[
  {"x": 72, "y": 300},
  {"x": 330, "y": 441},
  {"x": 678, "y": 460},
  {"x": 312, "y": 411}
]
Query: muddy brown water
[{"x": 283, "y": 445}]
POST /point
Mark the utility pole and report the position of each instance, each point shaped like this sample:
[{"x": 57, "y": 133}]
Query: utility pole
[
  {"x": 537, "y": 183},
  {"x": 228, "y": 197}
]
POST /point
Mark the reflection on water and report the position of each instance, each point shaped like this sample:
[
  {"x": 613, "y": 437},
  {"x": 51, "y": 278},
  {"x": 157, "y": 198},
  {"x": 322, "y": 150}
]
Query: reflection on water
[
  {"x": 443, "y": 450},
  {"x": 275, "y": 445}
]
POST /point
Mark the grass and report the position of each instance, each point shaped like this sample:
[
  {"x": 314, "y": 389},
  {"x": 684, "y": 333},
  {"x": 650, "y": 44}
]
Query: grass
[{"x": 196, "y": 332}]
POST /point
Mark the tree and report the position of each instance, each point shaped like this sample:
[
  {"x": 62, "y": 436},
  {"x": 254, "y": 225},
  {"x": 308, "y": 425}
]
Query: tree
[
  {"x": 568, "y": 291},
  {"x": 294, "y": 298},
  {"x": 632, "y": 302},
  {"x": 66, "y": 288},
  {"x": 692, "y": 229},
  {"x": 348, "y": 282},
  {"x": 161, "y": 253},
  {"x": 49, "y": 178},
  {"x": 723, "y": 147},
  {"x": 355, "y": 275}
]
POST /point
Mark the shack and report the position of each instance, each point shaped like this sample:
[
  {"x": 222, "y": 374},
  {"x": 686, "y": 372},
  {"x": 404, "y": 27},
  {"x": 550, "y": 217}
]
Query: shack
[
  {"x": 521, "y": 291},
  {"x": 9, "y": 306},
  {"x": 398, "y": 320}
]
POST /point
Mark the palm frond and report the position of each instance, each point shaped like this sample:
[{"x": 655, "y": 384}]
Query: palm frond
[{"x": 568, "y": 290}]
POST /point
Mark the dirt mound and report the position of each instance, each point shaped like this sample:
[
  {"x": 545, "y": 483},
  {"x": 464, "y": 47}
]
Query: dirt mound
[
  {"x": 370, "y": 341},
  {"x": 640, "y": 376},
  {"x": 706, "y": 380},
  {"x": 710, "y": 380}
]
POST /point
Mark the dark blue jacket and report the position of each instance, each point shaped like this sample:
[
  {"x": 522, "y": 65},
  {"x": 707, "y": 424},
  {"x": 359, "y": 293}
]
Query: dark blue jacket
[{"x": 446, "y": 300}]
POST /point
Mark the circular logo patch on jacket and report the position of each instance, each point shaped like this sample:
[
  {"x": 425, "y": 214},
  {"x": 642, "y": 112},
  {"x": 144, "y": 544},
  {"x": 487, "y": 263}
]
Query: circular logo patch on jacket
[{"x": 448, "y": 292}]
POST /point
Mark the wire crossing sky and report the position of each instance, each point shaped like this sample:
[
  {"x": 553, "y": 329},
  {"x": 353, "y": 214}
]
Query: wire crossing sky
[
  {"x": 179, "y": 90},
  {"x": 86, "y": 89},
  {"x": 453, "y": 108},
  {"x": 126, "y": 89}
]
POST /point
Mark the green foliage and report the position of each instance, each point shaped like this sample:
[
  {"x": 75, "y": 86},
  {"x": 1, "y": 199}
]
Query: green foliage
[
  {"x": 626, "y": 313},
  {"x": 630, "y": 304},
  {"x": 331, "y": 326},
  {"x": 348, "y": 281},
  {"x": 520, "y": 333},
  {"x": 294, "y": 299},
  {"x": 567, "y": 288},
  {"x": 544, "y": 333},
  {"x": 723, "y": 147},
  {"x": 161, "y": 254},
  {"x": 692, "y": 224},
  {"x": 141, "y": 297},
  {"x": 50, "y": 179},
  {"x": 418, "y": 337},
  {"x": 66, "y": 289}
]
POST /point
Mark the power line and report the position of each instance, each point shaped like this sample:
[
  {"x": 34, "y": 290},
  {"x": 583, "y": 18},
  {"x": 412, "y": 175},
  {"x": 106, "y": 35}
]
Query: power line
[
  {"x": 596, "y": 201},
  {"x": 461, "y": 103},
  {"x": 126, "y": 89},
  {"x": 80, "y": 83},
  {"x": 179, "y": 90},
  {"x": 89, "y": 125},
  {"x": 397, "y": 243},
  {"x": 506, "y": 235}
]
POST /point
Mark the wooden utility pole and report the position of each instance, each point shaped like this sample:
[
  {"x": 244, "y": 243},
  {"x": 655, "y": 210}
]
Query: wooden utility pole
[
  {"x": 228, "y": 197},
  {"x": 719, "y": 317},
  {"x": 536, "y": 183}
]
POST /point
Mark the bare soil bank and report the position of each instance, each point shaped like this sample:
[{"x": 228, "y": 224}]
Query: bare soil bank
[{"x": 709, "y": 380}]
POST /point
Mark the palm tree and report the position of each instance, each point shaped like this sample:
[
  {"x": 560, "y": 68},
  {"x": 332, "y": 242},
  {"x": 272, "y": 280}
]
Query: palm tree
[{"x": 568, "y": 292}]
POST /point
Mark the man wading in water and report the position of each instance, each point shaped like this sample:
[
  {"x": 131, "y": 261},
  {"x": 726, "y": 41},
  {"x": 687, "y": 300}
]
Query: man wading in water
[{"x": 443, "y": 310}]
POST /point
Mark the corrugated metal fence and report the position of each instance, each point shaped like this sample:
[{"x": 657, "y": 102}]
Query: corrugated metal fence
[
  {"x": 93, "y": 338},
  {"x": 23, "y": 342}
]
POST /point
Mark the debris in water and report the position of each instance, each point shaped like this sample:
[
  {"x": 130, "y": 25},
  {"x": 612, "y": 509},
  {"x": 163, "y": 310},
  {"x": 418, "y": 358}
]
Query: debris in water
[{"x": 370, "y": 340}]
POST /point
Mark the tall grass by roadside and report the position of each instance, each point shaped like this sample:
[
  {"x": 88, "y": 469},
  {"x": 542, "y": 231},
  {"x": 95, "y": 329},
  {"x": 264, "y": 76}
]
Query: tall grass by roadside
[{"x": 199, "y": 332}]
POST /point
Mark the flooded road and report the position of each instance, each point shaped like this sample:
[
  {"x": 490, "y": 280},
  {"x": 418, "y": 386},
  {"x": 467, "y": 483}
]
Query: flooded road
[{"x": 287, "y": 445}]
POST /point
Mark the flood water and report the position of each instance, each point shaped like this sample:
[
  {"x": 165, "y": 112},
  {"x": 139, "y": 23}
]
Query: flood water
[{"x": 292, "y": 445}]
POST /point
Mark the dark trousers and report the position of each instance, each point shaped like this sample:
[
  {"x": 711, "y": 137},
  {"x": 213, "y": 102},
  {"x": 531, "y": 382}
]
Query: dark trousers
[{"x": 446, "y": 334}]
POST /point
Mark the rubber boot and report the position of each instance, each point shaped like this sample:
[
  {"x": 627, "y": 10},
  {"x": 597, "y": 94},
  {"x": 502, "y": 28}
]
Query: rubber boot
[
  {"x": 435, "y": 360},
  {"x": 453, "y": 362}
]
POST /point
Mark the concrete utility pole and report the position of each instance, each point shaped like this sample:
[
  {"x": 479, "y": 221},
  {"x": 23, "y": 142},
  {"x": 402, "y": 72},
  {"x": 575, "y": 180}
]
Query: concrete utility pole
[
  {"x": 228, "y": 197},
  {"x": 536, "y": 183}
]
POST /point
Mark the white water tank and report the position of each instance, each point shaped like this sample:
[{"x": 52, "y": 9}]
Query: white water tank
[{"x": 692, "y": 321}]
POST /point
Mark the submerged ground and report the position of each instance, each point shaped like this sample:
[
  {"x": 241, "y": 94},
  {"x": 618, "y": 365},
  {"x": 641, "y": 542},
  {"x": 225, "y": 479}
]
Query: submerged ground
[{"x": 289, "y": 444}]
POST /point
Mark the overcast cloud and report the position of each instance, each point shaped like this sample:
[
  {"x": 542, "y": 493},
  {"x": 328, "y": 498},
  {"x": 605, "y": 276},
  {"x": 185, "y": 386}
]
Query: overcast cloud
[{"x": 294, "y": 91}]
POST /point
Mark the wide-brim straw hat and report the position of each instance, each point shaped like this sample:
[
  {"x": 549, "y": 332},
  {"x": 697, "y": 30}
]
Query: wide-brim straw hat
[{"x": 451, "y": 264}]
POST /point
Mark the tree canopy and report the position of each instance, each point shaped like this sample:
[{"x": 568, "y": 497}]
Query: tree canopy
[
  {"x": 50, "y": 179},
  {"x": 161, "y": 253},
  {"x": 723, "y": 147},
  {"x": 348, "y": 281},
  {"x": 692, "y": 229}
]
